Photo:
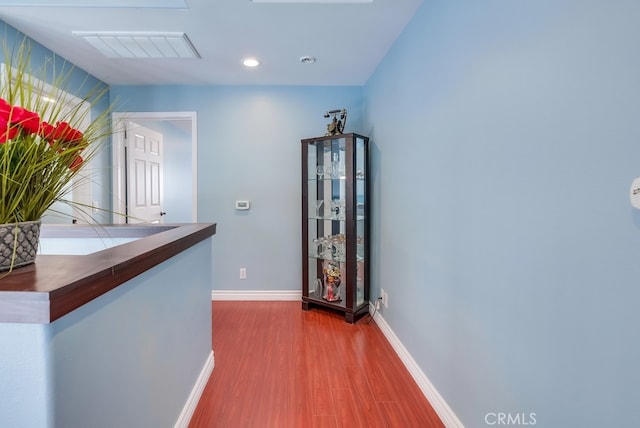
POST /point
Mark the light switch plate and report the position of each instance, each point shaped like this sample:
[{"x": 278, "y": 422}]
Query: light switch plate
[{"x": 243, "y": 205}]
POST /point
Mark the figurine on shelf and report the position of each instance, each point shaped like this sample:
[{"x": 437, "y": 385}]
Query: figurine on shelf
[
  {"x": 332, "y": 282},
  {"x": 336, "y": 126}
]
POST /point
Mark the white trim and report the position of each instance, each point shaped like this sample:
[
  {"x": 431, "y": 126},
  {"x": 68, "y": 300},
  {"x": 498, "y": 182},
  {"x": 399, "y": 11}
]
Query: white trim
[
  {"x": 448, "y": 418},
  {"x": 118, "y": 184},
  {"x": 281, "y": 295},
  {"x": 196, "y": 393},
  {"x": 117, "y": 172}
]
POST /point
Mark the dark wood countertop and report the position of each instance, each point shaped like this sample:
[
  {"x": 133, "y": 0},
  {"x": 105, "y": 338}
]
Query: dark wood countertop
[{"x": 57, "y": 284}]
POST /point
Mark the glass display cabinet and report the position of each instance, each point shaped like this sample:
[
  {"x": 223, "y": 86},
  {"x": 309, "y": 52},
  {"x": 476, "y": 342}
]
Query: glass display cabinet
[{"x": 335, "y": 224}]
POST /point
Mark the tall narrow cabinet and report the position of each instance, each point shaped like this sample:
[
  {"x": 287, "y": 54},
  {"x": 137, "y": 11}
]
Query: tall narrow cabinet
[{"x": 335, "y": 224}]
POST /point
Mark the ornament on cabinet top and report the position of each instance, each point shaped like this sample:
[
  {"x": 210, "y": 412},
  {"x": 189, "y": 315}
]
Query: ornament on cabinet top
[{"x": 336, "y": 126}]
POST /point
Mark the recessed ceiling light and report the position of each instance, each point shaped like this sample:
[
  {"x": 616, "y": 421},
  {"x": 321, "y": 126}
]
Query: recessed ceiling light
[
  {"x": 250, "y": 62},
  {"x": 307, "y": 59}
]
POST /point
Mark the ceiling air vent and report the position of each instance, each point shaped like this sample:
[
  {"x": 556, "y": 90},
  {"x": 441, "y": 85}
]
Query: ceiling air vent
[{"x": 140, "y": 45}]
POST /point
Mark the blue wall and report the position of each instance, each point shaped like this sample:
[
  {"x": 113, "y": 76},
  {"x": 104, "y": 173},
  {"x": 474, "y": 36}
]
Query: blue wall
[
  {"x": 505, "y": 141},
  {"x": 118, "y": 361},
  {"x": 249, "y": 148}
]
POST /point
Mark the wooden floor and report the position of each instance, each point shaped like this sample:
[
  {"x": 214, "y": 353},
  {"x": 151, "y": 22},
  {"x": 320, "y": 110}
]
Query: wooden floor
[{"x": 278, "y": 366}]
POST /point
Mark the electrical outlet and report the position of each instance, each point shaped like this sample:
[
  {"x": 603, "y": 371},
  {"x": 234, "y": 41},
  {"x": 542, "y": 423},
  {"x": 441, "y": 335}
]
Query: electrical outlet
[
  {"x": 243, "y": 273},
  {"x": 385, "y": 298}
]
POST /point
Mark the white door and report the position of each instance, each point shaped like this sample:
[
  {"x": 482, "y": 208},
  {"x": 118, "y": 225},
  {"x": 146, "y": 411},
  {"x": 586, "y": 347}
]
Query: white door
[{"x": 144, "y": 174}]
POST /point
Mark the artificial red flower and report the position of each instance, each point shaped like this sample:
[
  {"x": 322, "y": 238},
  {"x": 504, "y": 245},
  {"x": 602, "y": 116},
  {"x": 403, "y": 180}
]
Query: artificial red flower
[
  {"x": 14, "y": 115},
  {"x": 76, "y": 163},
  {"x": 28, "y": 120},
  {"x": 7, "y": 132},
  {"x": 5, "y": 110},
  {"x": 47, "y": 132},
  {"x": 66, "y": 133}
]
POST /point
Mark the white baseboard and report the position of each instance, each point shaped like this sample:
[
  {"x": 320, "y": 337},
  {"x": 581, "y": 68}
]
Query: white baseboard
[
  {"x": 282, "y": 295},
  {"x": 448, "y": 418},
  {"x": 196, "y": 393}
]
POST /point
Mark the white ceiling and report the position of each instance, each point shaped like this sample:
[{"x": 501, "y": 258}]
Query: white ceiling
[{"x": 348, "y": 40}]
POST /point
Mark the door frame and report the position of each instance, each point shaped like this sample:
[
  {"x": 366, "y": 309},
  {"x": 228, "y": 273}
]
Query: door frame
[{"x": 118, "y": 177}]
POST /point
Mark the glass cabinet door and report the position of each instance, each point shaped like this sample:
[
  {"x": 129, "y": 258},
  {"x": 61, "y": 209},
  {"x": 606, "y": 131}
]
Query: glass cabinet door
[
  {"x": 361, "y": 218},
  {"x": 335, "y": 223}
]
